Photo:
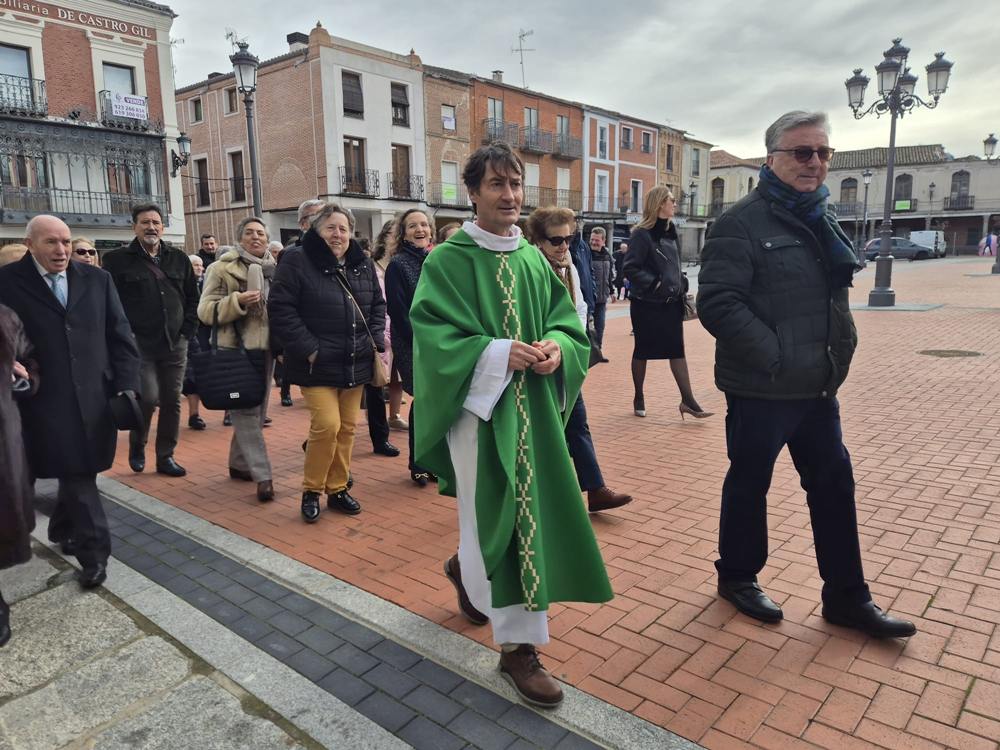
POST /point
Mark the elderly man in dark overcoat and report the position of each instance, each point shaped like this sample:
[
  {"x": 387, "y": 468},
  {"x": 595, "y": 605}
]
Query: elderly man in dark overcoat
[{"x": 86, "y": 354}]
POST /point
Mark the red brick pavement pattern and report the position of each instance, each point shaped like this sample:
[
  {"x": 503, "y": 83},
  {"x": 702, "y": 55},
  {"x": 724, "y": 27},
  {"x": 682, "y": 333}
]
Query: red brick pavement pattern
[{"x": 925, "y": 436}]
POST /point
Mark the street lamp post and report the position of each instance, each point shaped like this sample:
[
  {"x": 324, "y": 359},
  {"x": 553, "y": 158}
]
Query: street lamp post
[
  {"x": 896, "y": 85},
  {"x": 866, "y": 176},
  {"x": 691, "y": 188},
  {"x": 245, "y": 66},
  {"x": 989, "y": 148}
]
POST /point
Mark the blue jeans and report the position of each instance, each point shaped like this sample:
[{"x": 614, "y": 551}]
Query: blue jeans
[
  {"x": 600, "y": 312},
  {"x": 756, "y": 431},
  {"x": 581, "y": 448}
]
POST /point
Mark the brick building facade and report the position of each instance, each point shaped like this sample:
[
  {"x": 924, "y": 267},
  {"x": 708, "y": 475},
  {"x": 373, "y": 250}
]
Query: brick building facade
[
  {"x": 448, "y": 113},
  {"x": 86, "y": 116}
]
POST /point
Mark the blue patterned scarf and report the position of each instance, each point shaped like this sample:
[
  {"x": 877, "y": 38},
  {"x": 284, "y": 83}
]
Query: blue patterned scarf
[{"x": 814, "y": 211}]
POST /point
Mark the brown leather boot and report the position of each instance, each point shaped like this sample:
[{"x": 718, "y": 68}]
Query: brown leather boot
[
  {"x": 454, "y": 573},
  {"x": 265, "y": 491},
  {"x": 605, "y": 498},
  {"x": 525, "y": 673}
]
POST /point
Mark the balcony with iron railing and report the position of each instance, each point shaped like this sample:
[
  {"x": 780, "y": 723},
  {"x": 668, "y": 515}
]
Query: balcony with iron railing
[
  {"x": 360, "y": 182},
  {"x": 848, "y": 209},
  {"x": 23, "y": 96},
  {"x": 82, "y": 207},
  {"x": 127, "y": 112},
  {"x": 603, "y": 204},
  {"x": 409, "y": 187},
  {"x": 716, "y": 209},
  {"x": 498, "y": 131},
  {"x": 536, "y": 140},
  {"x": 535, "y": 197},
  {"x": 960, "y": 203},
  {"x": 567, "y": 147},
  {"x": 447, "y": 194}
]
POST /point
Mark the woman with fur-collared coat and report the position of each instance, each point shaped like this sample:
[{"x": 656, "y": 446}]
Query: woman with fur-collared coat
[
  {"x": 17, "y": 517},
  {"x": 325, "y": 301},
  {"x": 234, "y": 297}
]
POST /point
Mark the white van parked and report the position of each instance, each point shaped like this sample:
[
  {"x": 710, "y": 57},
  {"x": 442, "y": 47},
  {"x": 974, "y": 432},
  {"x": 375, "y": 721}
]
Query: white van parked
[{"x": 932, "y": 239}]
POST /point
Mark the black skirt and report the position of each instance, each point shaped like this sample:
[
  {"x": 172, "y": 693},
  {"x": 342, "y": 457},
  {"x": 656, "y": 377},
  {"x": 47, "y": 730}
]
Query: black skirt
[{"x": 658, "y": 329}]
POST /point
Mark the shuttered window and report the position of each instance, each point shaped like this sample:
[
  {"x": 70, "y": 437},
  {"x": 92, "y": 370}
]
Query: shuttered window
[
  {"x": 400, "y": 105},
  {"x": 354, "y": 100}
]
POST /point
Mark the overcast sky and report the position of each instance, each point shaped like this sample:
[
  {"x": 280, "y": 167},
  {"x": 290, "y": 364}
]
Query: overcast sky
[{"x": 721, "y": 69}]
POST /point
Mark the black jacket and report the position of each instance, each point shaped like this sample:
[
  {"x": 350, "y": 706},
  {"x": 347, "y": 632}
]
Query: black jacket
[
  {"x": 603, "y": 269},
  {"x": 653, "y": 267},
  {"x": 160, "y": 311},
  {"x": 782, "y": 330},
  {"x": 401, "y": 277},
  {"x": 86, "y": 353},
  {"x": 310, "y": 312}
]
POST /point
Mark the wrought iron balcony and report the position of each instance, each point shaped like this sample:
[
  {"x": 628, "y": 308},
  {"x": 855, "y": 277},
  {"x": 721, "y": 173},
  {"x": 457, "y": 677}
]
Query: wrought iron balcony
[
  {"x": 23, "y": 96},
  {"x": 447, "y": 194},
  {"x": 127, "y": 112},
  {"x": 82, "y": 207},
  {"x": 717, "y": 209},
  {"x": 361, "y": 182},
  {"x": 604, "y": 204},
  {"x": 567, "y": 147},
  {"x": 408, "y": 187},
  {"x": 849, "y": 209},
  {"x": 536, "y": 140},
  {"x": 498, "y": 131},
  {"x": 541, "y": 196},
  {"x": 960, "y": 203}
]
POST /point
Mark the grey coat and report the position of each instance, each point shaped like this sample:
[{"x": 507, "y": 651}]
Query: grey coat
[{"x": 782, "y": 330}]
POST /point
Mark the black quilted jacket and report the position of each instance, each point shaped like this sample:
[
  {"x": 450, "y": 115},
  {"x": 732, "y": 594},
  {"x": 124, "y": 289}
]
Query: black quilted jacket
[
  {"x": 310, "y": 312},
  {"x": 782, "y": 330}
]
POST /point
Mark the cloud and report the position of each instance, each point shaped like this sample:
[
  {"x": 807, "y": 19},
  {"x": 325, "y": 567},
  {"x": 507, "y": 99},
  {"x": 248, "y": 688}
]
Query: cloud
[{"x": 720, "y": 69}]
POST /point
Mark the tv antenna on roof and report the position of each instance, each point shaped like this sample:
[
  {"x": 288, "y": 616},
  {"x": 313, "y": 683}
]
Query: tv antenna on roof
[
  {"x": 232, "y": 38},
  {"x": 521, "y": 49}
]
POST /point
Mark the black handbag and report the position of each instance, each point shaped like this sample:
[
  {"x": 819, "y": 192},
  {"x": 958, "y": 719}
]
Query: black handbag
[
  {"x": 229, "y": 378},
  {"x": 596, "y": 355}
]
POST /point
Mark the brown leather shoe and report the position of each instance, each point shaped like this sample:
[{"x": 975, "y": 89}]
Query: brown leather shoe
[
  {"x": 265, "y": 491},
  {"x": 605, "y": 498},
  {"x": 525, "y": 673},
  {"x": 454, "y": 573}
]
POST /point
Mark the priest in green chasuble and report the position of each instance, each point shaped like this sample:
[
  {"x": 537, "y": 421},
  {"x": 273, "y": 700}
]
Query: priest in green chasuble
[{"x": 499, "y": 358}]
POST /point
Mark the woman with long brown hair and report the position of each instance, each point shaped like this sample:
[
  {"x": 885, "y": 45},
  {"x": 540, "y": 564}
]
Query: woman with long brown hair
[{"x": 653, "y": 268}]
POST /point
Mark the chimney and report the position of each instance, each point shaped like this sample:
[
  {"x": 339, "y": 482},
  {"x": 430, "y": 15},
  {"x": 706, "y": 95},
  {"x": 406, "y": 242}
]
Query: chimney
[
  {"x": 297, "y": 41},
  {"x": 498, "y": 76},
  {"x": 215, "y": 75}
]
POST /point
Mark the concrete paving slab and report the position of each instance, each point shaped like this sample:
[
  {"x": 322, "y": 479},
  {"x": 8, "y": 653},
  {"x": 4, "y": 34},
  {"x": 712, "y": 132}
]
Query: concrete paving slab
[{"x": 26, "y": 580}]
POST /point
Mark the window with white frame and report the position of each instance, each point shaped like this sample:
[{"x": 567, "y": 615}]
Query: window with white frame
[
  {"x": 400, "y": 105},
  {"x": 695, "y": 162},
  {"x": 449, "y": 183},
  {"x": 197, "y": 111},
  {"x": 119, "y": 79},
  {"x": 354, "y": 99},
  {"x": 238, "y": 177},
  {"x": 602, "y": 142},
  {"x": 448, "y": 117},
  {"x": 231, "y": 100},
  {"x": 626, "y": 138},
  {"x": 635, "y": 196},
  {"x": 647, "y": 142}
]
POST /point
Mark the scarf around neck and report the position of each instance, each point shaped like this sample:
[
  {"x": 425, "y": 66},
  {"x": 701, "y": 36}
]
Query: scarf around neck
[
  {"x": 260, "y": 271},
  {"x": 814, "y": 211}
]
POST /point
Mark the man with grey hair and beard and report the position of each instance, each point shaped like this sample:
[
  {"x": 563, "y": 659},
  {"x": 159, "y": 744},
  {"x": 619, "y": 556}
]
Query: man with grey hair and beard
[{"x": 773, "y": 291}]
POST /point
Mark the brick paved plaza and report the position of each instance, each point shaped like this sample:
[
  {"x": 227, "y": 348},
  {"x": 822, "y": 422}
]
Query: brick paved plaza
[{"x": 924, "y": 432}]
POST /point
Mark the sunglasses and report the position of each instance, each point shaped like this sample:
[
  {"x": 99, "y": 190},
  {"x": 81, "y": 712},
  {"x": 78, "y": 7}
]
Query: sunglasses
[
  {"x": 557, "y": 241},
  {"x": 803, "y": 154},
  {"x": 85, "y": 251}
]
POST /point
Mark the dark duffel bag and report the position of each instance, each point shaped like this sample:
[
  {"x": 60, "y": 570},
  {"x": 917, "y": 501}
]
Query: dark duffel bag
[{"x": 229, "y": 378}]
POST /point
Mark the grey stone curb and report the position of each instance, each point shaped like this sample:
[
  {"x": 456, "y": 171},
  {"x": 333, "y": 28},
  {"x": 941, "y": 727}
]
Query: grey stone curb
[
  {"x": 310, "y": 708},
  {"x": 580, "y": 712}
]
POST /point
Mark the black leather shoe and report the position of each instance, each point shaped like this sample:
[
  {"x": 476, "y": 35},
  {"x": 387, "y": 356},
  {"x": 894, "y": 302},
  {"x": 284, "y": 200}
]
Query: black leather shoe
[
  {"x": 93, "y": 576},
  {"x": 386, "y": 449},
  {"x": 343, "y": 502},
  {"x": 137, "y": 459},
  {"x": 868, "y": 618},
  {"x": 420, "y": 477},
  {"x": 750, "y": 599},
  {"x": 227, "y": 420},
  {"x": 170, "y": 468},
  {"x": 286, "y": 400},
  {"x": 243, "y": 476},
  {"x": 196, "y": 423},
  {"x": 310, "y": 506}
]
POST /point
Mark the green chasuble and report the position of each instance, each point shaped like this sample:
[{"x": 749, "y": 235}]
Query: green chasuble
[{"x": 537, "y": 542}]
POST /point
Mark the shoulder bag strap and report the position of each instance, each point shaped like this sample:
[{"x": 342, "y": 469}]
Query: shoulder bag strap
[{"x": 347, "y": 291}]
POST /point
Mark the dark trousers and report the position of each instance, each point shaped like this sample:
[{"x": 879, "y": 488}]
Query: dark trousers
[
  {"x": 378, "y": 422},
  {"x": 581, "y": 448},
  {"x": 161, "y": 381},
  {"x": 756, "y": 431},
  {"x": 600, "y": 312},
  {"x": 79, "y": 515},
  {"x": 414, "y": 467}
]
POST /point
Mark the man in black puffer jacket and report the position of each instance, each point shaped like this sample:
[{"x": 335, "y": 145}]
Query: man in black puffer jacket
[
  {"x": 324, "y": 301},
  {"x": 773, "y": 291}
]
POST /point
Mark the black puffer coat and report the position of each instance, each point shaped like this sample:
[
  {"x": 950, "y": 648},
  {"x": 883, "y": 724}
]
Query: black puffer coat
[
  {"x": 310, "y": 312},
  {"x": 401, "y": 279},
  {"x": 782, "y": 330}
]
